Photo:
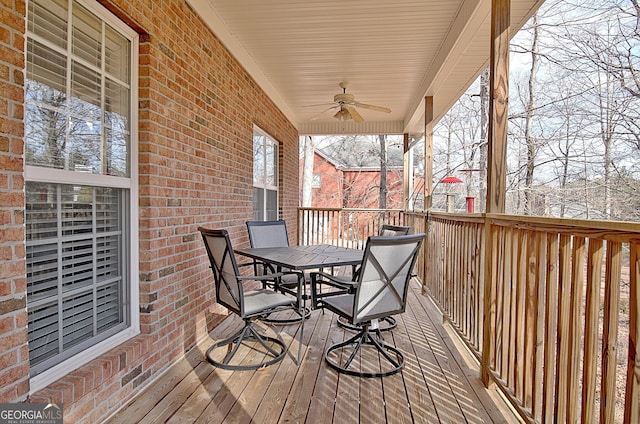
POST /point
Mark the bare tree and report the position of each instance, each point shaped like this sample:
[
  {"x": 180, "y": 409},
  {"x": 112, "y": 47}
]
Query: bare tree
[
  {"x": 383, "y": 172},
  {"x": 307, "y": 171},
  {"x": 575, "y": 109},
  {"x": 484, "y": 128},
  {"x": 529, "y": 113}
]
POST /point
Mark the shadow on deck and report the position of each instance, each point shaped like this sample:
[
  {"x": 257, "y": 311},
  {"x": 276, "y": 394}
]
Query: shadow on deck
[{"x": 438, "y": 384}]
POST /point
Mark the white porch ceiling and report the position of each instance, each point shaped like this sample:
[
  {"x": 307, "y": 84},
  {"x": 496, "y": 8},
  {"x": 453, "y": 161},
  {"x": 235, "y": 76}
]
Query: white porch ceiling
[{"x": 391, "y": 54}]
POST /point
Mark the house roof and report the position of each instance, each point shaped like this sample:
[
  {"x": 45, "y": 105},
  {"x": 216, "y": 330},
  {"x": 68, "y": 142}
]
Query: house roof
[{"x": 391, "y": 53}]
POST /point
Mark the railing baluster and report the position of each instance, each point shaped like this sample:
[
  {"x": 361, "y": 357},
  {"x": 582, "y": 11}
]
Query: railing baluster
[
  {"x": 592, "y": 310},
  {"x": 513, "y": 308},
  {"x": 520, "y": 306},
  {"x": 610, "y": 332},
  {"x": 551, "y": 325},
  {"x": 503, "y": 293},
  {"x": 530, "y": 318},
  {"x": 575, "y": 328},
  {"x": 540, "y": 288},
  {"x": 564, "y": 299},
  {"x": 632, "y": 403}
]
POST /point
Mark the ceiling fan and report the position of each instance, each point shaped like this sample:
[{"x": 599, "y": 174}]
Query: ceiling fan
[{"x": 347, "y": 104}]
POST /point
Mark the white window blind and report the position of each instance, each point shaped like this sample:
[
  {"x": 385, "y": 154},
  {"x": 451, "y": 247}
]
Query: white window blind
[{"x": 75, "y": 282}]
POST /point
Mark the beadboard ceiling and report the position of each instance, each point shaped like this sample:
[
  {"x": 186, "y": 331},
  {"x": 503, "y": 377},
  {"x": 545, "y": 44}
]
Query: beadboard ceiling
[{"x": 392, "y": 53}]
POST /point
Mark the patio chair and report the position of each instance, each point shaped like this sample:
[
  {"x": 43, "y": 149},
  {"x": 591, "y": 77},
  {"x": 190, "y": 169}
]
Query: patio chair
[
  {"x": 347, "y": 282},
  {"x": 274, "y": 234},
  {"x": 380, "y": 292},
  {"x": 394, "y": 230},
  {"x": 248, "y": 304}
]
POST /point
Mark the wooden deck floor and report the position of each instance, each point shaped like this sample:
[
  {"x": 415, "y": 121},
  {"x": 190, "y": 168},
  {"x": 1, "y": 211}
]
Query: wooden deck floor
[{"x": 439, "y": 383}]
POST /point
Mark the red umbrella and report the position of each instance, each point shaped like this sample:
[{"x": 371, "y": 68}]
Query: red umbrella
[{"x": 450, "y": 180}]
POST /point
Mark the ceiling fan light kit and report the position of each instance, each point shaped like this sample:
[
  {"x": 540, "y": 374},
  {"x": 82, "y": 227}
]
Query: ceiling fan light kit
[{"x": 347, "y": 104}]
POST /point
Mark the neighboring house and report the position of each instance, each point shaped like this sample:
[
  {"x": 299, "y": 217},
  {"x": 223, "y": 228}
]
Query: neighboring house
[
  {"x": 353, "y": 180},
  {"x": 327, "y": 186}
]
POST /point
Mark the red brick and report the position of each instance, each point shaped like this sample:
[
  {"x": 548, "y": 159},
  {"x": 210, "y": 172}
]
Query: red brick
[
  {"x": 186, "y": 76},
  {"x": 7, "y": 325},
  {"x": 12, "y": 269},
  {"x": 8, "y": 359},
  {"x": 13, "y": 375}
]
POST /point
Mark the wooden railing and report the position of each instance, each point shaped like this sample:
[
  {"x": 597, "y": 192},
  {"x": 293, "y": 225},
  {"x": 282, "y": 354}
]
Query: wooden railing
[
  {"x": 343, "y": 227},
  {"x": 454, "y": 272},
  {"x": 556, "y": 327},
  {"x": 561, "y": 317}
]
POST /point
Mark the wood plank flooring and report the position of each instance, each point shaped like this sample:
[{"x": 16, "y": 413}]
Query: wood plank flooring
[{"x": 439, "y": 383}]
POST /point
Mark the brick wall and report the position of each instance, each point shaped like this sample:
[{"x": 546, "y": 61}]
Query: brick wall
[
  {"x": 329, "y": 194},
  {"x": 362, "y": 189},
  {"x": 353, "y": 188},
  {"x": 14, "y": 355},
  {"x": 197, "y": 108}
]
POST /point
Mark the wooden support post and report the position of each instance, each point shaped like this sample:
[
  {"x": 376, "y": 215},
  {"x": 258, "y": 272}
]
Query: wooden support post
[
  {"x": 428, "y": 153},
  {"x": 498, "y": 106},
  {"x": 496, "y": 177},
  {"x": 428, "y": 174},
  {"x": 632, "y": 393},
  {"x": 407, "y": 173}
]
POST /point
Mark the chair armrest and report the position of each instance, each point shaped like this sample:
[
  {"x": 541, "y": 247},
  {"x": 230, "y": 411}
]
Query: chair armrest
[
  {"x": 343, "y": 284},
  {"x": 269, "y": 277},
  {"x": 273, "y": 277},
  {"x": 332, "y": 280},
  {"x": 275, "y": 280},
  {"x": 245, "y": 264}
]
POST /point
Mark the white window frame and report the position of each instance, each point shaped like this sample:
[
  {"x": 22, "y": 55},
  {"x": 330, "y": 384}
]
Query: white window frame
[
  {"x": 262, "y": 184},
  {"x": 316, "y": 181},
  {"x": 49, "y": 175}
]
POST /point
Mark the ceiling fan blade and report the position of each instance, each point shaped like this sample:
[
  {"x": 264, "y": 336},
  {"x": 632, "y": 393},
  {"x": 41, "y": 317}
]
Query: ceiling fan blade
[
  {"x": 319, "y": 104},
  {"x": 321, "y": 113},
  {"x": 372, "y": 107},
  {"x": 355, "y": 115}
]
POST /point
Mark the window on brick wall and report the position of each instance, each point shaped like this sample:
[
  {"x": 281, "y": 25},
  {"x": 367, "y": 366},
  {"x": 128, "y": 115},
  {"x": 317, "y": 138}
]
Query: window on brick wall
[
  {"x": 316, "y": 182},
  {"x": 81, "y": 184},
  {"x": 265, "y": 176}
]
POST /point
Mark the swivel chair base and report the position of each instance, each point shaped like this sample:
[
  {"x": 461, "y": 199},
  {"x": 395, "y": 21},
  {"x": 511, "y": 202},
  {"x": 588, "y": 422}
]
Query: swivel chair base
[
  {"x": 391, "y": 359},
  {"x": 389, "y": 323},
  {"x": 275, "y": 349},
  {"x": 286, "y": 321}
]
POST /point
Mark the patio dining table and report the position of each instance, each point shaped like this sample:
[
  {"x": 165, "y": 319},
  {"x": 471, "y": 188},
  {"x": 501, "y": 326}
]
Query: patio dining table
[{"x": 301, "y": 258}]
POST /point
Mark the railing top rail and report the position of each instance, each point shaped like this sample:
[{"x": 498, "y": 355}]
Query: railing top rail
[
  {"x": 606, "y": 230},
  {"x": 458, "y": 217},
  {"x": 301, "y": 208},
  {"x": 621, "y": 231}
]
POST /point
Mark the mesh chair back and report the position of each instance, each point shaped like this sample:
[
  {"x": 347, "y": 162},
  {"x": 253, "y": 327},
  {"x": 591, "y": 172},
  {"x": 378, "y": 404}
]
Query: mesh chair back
[
  {"x": 225, "y": 269},
  {"x": 384, "y": 277},
  {"x": 394, "y": 230},
  {"x": 268, "y": 233}
]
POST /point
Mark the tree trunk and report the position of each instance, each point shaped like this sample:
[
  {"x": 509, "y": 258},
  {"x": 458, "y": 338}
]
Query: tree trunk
[
  {"x": 484, "y": 121},
  {"x": 307, "y": 172},
  {"x": 530, "y": 112},
  {"x": 564, "y": 175},
  {"x": 383, "y": 171}
]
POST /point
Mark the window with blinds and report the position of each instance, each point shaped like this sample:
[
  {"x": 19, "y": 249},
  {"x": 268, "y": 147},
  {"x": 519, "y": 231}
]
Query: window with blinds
[
  {"x": 78, "y": 219},
  {"x": 265, "y": 177}
]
